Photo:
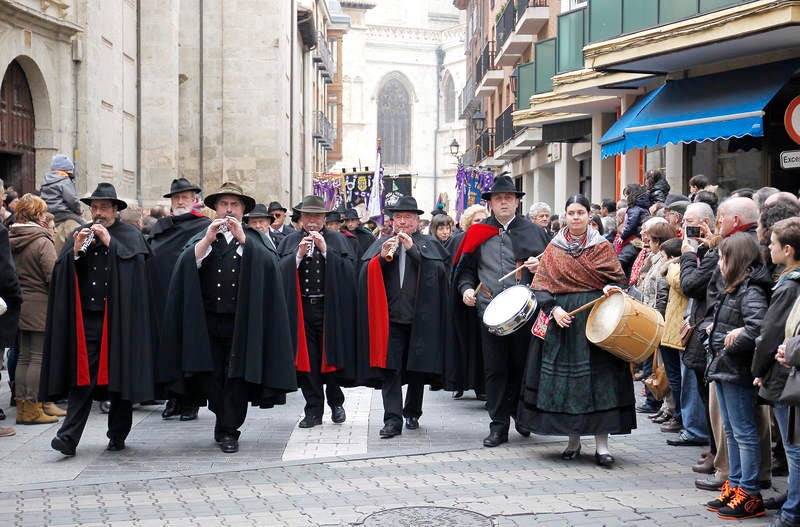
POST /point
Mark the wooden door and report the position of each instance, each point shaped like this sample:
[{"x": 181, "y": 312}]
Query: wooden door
[{"x": 17, "y": 126}]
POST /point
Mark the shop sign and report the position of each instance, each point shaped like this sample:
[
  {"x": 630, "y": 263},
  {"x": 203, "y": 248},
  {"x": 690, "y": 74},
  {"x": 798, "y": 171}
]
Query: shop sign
[
  {"x": 790, "y": 159},
  {"x": 791, "y": 120}
]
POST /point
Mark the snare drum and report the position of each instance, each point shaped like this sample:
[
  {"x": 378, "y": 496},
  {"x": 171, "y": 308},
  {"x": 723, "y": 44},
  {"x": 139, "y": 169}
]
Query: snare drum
[
  {"x": 625, "y": 327},
  {"x": 510, "y": 310}
]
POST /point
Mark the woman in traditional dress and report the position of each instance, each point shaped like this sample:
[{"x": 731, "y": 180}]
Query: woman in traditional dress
[{"x": 574, "y": 388}]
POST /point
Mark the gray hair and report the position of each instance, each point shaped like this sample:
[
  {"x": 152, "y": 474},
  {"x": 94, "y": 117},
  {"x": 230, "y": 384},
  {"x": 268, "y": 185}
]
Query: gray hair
[
  {"x": 538, "y": 207},
  {"x": 703, "y": 210}
]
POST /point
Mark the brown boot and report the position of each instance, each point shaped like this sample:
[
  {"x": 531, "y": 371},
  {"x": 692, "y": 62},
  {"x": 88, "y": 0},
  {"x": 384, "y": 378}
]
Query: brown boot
[
  {"x": 51, "y": 408},
  {"x": 705, "y": 467},
  {"x": 32, "y": 414}
]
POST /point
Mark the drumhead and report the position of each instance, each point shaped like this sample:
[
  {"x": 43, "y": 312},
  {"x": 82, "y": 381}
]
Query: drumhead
[
  {"x": 506, "y": 305},
  {"x": 605, "y": 317}
]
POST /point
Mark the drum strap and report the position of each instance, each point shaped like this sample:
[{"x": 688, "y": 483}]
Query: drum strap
[{"x": 485, "y": 291}]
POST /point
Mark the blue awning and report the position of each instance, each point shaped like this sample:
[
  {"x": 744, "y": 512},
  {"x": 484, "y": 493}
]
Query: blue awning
[{"x": 718, "y": 106}]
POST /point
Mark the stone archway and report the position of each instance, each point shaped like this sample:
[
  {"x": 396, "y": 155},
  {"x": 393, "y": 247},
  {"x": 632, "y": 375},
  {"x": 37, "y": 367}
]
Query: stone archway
[{"x": 17, "y": 130}]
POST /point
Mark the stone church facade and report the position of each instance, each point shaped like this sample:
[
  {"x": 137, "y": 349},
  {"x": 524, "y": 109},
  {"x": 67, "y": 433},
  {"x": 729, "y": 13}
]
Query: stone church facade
[
  {"x": 402, "y": 62},
  {"x": 141, "y": 92}
]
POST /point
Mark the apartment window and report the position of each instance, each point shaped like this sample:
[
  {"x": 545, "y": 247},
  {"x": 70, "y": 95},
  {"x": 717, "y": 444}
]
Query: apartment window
[{"x": 394, "y": 122}]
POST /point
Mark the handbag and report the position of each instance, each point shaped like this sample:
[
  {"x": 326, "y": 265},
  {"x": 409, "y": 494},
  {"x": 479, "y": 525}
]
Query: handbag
[
  {"x": 657, "y": 383},
  {"x": 685, "y": 332},
  {"x": 791, "y": 390}
]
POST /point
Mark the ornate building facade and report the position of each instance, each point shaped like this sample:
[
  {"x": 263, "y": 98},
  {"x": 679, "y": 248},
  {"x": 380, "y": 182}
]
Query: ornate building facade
[
  {"x": 402, "y": 62},
  {"x": 141, "y": 92}
]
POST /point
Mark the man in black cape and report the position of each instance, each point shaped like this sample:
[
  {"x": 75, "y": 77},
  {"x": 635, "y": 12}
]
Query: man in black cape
[
  {"x": 11, "y": 296},
  {"x": 321, "y": 297},
  {"x": 353, "y": 225},
  {"x": 489, "y": 250},
  {"x": 167, "y": 240},
  {"x": 226, "y": 331},
  {"x": 98, "y": 336},
  {"x": 279, "y": 228},
  {"x": 403, "y": 315}
]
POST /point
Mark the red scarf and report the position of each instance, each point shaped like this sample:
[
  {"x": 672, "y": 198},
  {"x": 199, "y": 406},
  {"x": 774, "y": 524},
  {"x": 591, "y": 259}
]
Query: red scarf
[{"x": 740, "y": 228}]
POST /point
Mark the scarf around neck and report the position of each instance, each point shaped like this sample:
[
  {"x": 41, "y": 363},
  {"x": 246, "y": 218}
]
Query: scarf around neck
[{"x": 574, "y": 247}]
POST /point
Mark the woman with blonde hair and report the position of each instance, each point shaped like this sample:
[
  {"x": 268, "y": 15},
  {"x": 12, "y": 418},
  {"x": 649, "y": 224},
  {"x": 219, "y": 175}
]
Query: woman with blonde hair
[{"x": 34, "y": 257}]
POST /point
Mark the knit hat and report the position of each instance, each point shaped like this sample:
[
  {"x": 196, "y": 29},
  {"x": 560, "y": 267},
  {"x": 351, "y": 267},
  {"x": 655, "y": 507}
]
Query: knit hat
[{"x": 62, "y": 162}]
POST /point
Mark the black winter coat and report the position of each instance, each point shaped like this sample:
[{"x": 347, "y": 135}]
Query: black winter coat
[
  {"x": 9, "y": 291},
  {"x": 698, "y": 280},
  {"x": 773, "y": 375},
  {"x": 659, "y": 191},
  {"x": 746, "y": 308}
]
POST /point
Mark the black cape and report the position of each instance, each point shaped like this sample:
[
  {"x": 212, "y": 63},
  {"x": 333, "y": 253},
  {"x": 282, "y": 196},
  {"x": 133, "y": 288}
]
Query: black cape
[
  {"x": 464, "y": 361},
  {"x": 365, "y": 239},
  {"x": 262, "y": 345},
  {"x": 167, "y": 241},
  {"x": 340, "y": 299},
  {"x": 429, "y": 330},
  {"x": 130, "y": 360}
]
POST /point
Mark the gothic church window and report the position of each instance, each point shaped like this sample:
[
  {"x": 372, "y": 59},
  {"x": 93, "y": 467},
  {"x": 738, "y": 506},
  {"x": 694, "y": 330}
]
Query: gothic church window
[
  {"x": 449, "y": 96},
  {"x": 394, "y": 123}
]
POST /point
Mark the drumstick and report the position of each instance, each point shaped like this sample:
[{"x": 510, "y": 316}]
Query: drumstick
[
  {"x": 515, "y": 270},
  {"x": 584, "y": 307}
]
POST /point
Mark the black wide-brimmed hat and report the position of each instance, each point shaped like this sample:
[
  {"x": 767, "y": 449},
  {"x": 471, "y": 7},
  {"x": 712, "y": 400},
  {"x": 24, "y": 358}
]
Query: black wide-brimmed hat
[
  {"x": 502, "y": 184},
  {"x": 259, "y": 211},
  {"x": 351, "y": 214},
  {"x": 312, "y": 205},
  {"x": 181, "y": 185},
  {"x": 333, "y": 216},
  {"x": 406, "y": 204},
  {"x": 230, "y": 189},
  {"x": 274, "y": 205},
  {"x": 106, "y": 191}
]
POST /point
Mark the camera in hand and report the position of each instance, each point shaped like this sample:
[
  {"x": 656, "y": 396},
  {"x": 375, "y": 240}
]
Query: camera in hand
[{"x": 692, "y": 232}]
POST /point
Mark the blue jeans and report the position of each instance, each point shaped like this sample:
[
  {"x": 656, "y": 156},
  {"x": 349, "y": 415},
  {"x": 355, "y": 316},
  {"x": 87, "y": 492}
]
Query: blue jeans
[
  {"x": 672, "y": 365},
  {"x": 791, "y": 509},
  {"x": 737, "y": 405},
  {"x": 693, "y": 411}
]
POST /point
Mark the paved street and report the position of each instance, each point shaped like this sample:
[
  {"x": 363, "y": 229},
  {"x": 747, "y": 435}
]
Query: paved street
[{"x": 172, "y": 473}]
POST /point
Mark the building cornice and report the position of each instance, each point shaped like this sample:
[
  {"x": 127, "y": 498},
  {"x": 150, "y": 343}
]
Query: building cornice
[
  {"x": 18, "y": 14},
  {"x": 415, "y": 34}
]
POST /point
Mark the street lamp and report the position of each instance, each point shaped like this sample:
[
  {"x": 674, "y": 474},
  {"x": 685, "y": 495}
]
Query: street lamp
[
  {"x": 454, "y": 148},
  {"x": 478, "y": 121}
]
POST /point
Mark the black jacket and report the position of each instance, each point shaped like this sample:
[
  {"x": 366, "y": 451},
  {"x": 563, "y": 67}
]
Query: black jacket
[
  {"x": 773, "y": 333},
  {"x": 9, "y": 291},
  {"x": 697, "y": 271},
  {"x": 659, "y": 191},
  {"x": 746, "y": 308}
]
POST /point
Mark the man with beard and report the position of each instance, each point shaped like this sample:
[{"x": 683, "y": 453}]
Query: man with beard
[
  {"x": 403, "y": 288},
  {"x": 352, "y": 225},
  {"x": 98, "y": 338},
  {"x": 491, "y": 249},
  {"x": 318, "y": 267},
  {"x": 167, "y": 240},
  {"x": 226, "y": 333}
]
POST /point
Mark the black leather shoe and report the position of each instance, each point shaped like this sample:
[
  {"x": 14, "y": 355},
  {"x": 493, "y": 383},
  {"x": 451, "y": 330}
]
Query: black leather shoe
[
  {"x": 310, "y": 421},
  {"x": 647, "y": 409},
  {"x": 604, "y": 460},
  {"x": 412, "y": 423},
  {"x": 390, "y": 431},
  {"x": 522, "y": 429},
  {"x": 229, "y": 444},
  {"x": 105, "y": 407},
  {"x": 765, "y": 484},
  {"x": 495, "y": 439},
  {"x": 171, "y": 409},
  {"x": 712, "y": 484},
  {"x": 115, "y": 445},
  {"x": 682, "y": 441},
  {"x": 189, "y": 413},
  {"x": 151, "y": 402},
  {"x": 338, "y": 415},
  {"x": 775, "y": 502},
  {"x": 63, "y": 445},
  {"x": 571, "y": 455},
  {"x": 458, "y": 395}
]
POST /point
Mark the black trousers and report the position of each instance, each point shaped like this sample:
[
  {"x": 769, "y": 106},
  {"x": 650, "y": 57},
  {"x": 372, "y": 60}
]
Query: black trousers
[
  {"x": 504, "y": 361},
  {"x": 392, "y": 386},
  {"x": 227, "y": 397},
  {"x": 80, "y": 398},
  {"x": 315, "y": 385}
]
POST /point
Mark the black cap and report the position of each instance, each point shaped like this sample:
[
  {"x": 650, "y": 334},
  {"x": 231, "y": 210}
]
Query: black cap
[
  {"x": 502, "y": 184},
  {"x": 274, "y": 205},
  {"x": 181, "y": 185},
  {"x": 259, "y": 211},
  {"x": 405, "y": 204}
]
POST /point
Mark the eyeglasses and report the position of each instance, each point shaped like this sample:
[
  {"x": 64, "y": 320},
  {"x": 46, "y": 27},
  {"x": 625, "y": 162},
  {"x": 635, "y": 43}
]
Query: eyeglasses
[{"x": 277, "y": 215}]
